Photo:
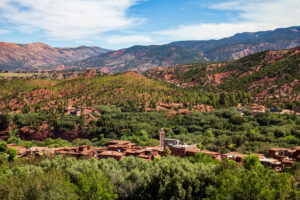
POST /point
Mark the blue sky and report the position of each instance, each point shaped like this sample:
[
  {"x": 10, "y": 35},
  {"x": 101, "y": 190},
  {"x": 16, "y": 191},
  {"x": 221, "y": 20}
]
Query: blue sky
[{"x": 116, "y": 24}]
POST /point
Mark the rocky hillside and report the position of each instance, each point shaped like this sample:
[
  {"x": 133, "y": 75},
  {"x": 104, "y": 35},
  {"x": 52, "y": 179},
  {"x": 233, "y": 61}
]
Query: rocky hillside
[
  {"x": 37, "y": 55},
  {"x": 140, "y": 58},
  {"x": 267, "y": 75}
]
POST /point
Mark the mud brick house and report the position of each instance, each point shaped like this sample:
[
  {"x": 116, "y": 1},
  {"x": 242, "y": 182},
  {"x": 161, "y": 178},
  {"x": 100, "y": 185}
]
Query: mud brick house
[
  {"x": 294, "y": 153},
  {"x": 133, "y": 152},
  {"x": 235, "y": 156},
  {"x": 181, "y": 150},
  {"x": 40, "y": 151},
  {"x": 78, "y": 152},
  {"x": 271, "y": 162},
  {"x": 169, "y": 142},
  {"x": 111, "y": 154},
  {"x": 287, "y": 163},
  {"x": 147, "y": 153},
  {"x": 119, "y": 145},
  {"x": 214, "y": 155},
  {"x": 278, "y": 153},
  {"x": 192, "y": 152}
]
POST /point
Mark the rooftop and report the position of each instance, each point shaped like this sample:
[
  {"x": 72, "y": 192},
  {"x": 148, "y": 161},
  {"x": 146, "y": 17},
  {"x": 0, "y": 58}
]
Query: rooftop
[
  {"x": 209, "y": 152},
  {"x": 117, "y": 142},
  {"x": 111, "y": 153},
  {"x": 270, "y": 160},
  {"x": 278, "y": 149},
  {"x": 235, "y": 154}
]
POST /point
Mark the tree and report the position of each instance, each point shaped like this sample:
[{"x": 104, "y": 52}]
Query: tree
[
  {"x": 252, "y": 162},
  {"x": 12, "y": 152},
  {"x": 236, "y": 120},
  {"x": 95, "y": 186},
  {"x": 203, "y": 158},
  {"x": 36, "y": 185},
  {"x": 166, "y": 151},
  {"x": 25, "y": 109},
  {"x": 3, "y": 146},
  {"x": 5, "y": 121}
]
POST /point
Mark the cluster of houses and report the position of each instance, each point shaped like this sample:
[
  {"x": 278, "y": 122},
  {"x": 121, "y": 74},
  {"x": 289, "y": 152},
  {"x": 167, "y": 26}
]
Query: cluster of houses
[
  {"x": 279, "y": 158},
  {"x": 113, "y": 149},
  {"x": 256, "y": 109}
]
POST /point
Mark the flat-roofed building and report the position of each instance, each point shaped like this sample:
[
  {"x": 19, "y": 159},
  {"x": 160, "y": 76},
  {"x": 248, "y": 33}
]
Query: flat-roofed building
[
  {"x": 278, "y": 153},
  {"x": 237, "y": 157},
  {"x": 169, "y": 142},
  {"x": 111, "y": 154},
  {"x": 181, "y": 149},
  {"x": 271, "y": 162}
]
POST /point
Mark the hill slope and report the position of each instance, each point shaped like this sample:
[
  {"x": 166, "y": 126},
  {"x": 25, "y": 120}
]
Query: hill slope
[
  {"x": 13, "y": 56},
  {"x": 267, "y": 75}
]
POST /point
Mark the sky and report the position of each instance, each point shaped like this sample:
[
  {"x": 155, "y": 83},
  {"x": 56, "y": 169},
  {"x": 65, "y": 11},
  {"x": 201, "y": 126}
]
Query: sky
[{"x": 116, "y": 24}]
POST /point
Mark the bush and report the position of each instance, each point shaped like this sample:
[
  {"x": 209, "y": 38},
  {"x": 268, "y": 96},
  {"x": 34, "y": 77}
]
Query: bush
[
  {"x": 237, "y": 120},
  {"x": 12, "y": 153},
  {"x": 36, "y": 185},
  {"x": 3, "y": 146},
  {"x": 94, "y": 185},
  {"x": 14, "y": 140},
  {"x": 5, "y": 121}
]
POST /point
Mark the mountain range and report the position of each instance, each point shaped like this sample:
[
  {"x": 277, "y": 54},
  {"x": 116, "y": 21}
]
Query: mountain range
[
  {"x": 140, "y": 58},
  {"x": 38, "y": 55}
]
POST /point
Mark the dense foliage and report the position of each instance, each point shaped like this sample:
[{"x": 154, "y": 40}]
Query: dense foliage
[
  {"x": 222, "y": 130},
  {"x": 134, "y": 178}
]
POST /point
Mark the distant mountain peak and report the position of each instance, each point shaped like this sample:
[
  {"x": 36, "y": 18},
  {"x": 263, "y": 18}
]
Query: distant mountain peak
[{"x": 37, "y": 54}]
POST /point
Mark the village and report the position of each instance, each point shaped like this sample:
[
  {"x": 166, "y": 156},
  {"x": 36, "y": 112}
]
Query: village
[{"x": 278, "y": 159}]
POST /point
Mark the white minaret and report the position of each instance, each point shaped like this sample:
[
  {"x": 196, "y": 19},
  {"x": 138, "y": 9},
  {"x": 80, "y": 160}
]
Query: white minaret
[{"x": 162, "y": 138}]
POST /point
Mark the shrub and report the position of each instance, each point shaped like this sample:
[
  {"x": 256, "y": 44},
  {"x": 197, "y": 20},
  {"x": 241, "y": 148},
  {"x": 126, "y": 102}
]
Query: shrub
[
  {"x": 3, "y": 146},
  {"x": 12, "y": 153}
]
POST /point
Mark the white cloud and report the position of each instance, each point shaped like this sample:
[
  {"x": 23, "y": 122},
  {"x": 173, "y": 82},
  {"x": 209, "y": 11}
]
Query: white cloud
[
  {"x": 68, "y": 19},
  {"x": 274, "y": 12},
  {"x": 255, "y": 15},
  {"x": 3, "y": 31}
]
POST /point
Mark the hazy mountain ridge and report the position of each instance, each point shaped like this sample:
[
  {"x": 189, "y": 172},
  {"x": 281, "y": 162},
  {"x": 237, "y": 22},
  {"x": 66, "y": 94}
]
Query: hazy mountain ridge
[
  {"x": 140, "y": 58},
  {"x": 243, "y": 44},
  {"x": 36, "y": 55}
]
